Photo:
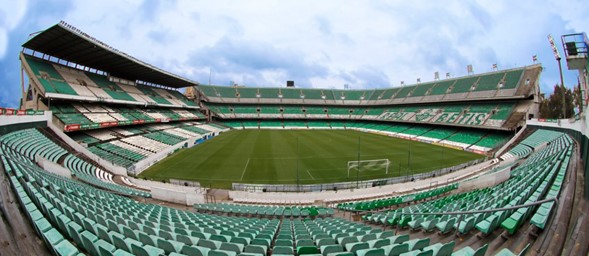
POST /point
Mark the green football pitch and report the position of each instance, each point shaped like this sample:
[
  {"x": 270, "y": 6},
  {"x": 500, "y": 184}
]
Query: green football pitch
[{"x": 304, "y": 156}]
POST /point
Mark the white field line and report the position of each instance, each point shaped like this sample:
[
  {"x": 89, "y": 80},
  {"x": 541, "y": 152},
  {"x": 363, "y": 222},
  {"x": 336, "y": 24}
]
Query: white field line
[
  {"x": 245, "y": 168},
  {"x": 310, "y": 174}
]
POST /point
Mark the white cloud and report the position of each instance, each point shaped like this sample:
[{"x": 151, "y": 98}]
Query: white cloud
[
  {"x": 328, "y": 43},
  {"x": 11, "y": 14}
]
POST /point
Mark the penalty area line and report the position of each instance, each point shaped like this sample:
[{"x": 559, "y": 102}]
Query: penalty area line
[
  {"x": 310, "y": 174},
  {"x": 245, "y": 168}
]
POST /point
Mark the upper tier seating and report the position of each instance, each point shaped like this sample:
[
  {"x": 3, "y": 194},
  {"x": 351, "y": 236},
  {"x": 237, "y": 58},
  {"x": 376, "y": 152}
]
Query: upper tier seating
[
  {"x": 488, "y": 85},
  {"x": 62, "y": 81}
]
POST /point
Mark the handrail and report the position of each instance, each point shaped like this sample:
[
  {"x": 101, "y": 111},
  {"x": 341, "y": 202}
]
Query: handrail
[{"x": 489, "y": 210}]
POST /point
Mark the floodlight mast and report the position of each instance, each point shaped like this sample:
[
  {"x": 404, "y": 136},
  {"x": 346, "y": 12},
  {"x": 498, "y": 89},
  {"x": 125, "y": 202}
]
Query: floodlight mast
[{"x": 557, "y": 57}]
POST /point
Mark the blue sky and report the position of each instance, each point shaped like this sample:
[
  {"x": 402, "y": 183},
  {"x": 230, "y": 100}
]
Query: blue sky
[{"x": 323, "y": 44}]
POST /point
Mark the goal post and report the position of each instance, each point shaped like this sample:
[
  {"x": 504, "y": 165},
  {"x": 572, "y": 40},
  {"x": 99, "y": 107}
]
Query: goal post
[{"x": 369, "y": 165}]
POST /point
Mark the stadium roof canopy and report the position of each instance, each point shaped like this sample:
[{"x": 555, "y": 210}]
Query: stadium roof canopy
[{"x": 68, "y": 43}]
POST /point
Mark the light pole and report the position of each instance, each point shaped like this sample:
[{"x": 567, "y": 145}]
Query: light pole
[{"x": 557, "y": 57}]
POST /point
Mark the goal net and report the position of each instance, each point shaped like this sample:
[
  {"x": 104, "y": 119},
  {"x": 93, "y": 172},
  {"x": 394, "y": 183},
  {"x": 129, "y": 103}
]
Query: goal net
[{"x": 369, "y": 165}]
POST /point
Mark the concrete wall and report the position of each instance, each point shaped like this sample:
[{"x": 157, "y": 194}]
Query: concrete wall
[
  {"x": 172, "y": 193},
  {"x": 187, "y": 198},
  {"x": 14, "y": 119},
  {"x": 53, "y": 167},
  {"x": 486, "y": 180},
  {"x": 561, "y": 123}
]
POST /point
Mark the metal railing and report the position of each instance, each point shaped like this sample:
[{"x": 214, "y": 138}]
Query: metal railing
[
  {"x": 349, "y": 184},
  {"x": 575, "y": 45}
]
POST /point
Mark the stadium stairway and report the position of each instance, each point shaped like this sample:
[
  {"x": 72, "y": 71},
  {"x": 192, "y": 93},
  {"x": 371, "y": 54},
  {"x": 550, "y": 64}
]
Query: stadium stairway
[{"x": 17, "y": 235}]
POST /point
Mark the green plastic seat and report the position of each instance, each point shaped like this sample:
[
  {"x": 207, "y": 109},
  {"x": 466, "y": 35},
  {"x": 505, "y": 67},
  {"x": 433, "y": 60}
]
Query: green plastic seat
[
  {"x": 261, "y": 249},
  {"x": 341, "y": 254},
  {"x": 333, "y": 248},
  {"x": 169, "y": 246},
  {"x": 213, "y": 245},
  {"x": 465, "y": 225},
  {"x": 488, "y": 225},
  {"x": 396, "y": 249},
  {"x": 307, "y": 250},
  {"x": 52, "y": 236},
  {"x": 283, "y": 242},
  {"x": 416, "y": 222},
  {"x": 367, "y": 237},
  {"x": 305, "y": 242},
  {"x": 440, "y": 249},
  {"x": 89, "y": 241},
  {"x": 418, "y": 244},
  {"x": 282, "y": 250},
  {"x": 118, "y": 252},
  {"x": 418, "y": 253},
  {"x": 378, "y": 243},
  {"x": 240, "y": 240},
  {"x": 146, "y": 250},
  {"x": 468, "y": 251},
  {"x": 233, "y": 247},
  {"x": 446, "y": 226},
  {"x": 353, "y": 247},
  {"x": 347, "y": 239},
  {"x": 195, "y": 250},
  {"x": 429, "y": 224},
  {"x": 65, "y": 248},
  {"x": 371, "y": 252},
  {"x": 186, "y": 239},
  {"x": 398, "y": 239},
  {"x": 222, "y": 253}
]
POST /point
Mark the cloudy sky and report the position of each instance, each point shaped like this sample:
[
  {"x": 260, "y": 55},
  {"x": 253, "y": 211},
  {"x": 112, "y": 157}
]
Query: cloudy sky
[{"x": 324, "y": 44}]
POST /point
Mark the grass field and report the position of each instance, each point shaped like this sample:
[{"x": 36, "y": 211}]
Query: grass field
[{"x": 318, "y": 156}]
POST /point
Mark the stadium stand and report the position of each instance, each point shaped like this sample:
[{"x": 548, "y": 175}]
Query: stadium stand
[
  {"x": 126, "y": 120},
  {"x": 64, "y": 82},
  {"x": 484, "y": 86},
  {"x": 103, "y": 222},
  {"x": 530, "y": 182},
  {"x": 38, "y": 145},
  {"x": 392, "y": 201}
]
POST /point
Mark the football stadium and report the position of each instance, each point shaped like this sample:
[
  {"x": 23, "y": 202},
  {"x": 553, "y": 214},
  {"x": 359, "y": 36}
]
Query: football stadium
[{"x": 110, "y": 155}]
